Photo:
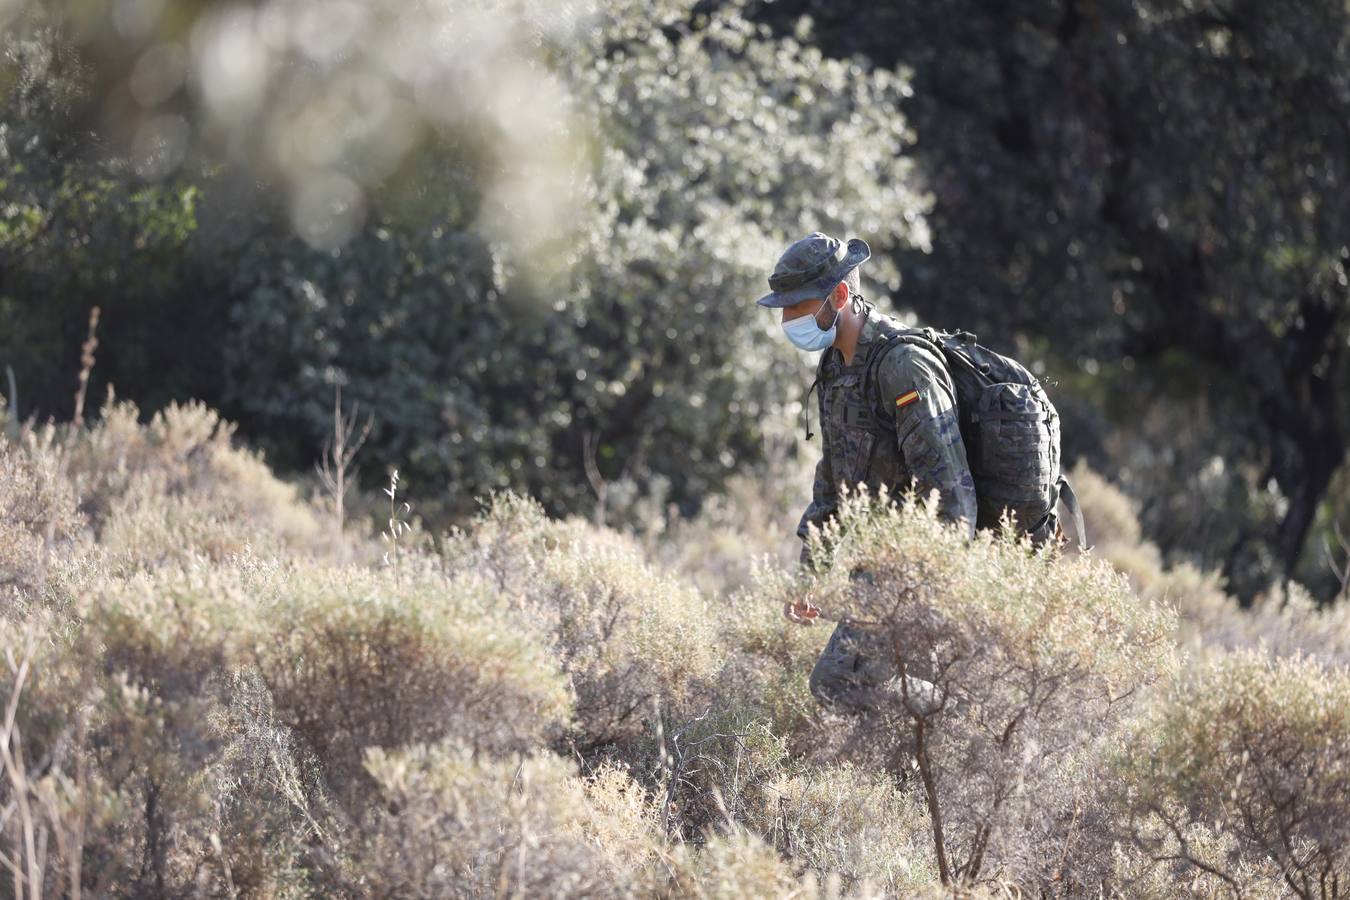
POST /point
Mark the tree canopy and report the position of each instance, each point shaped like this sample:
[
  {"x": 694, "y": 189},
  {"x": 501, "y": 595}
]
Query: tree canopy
[{"x": 526, "y": 233}]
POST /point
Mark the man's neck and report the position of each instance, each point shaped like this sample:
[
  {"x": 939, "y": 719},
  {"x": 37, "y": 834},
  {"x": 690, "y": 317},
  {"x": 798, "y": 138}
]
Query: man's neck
[{"x": 850, "y": 327}]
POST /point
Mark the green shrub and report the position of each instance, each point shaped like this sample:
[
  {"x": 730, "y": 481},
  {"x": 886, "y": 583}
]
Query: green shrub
[{"x": 1258, "y": 751}]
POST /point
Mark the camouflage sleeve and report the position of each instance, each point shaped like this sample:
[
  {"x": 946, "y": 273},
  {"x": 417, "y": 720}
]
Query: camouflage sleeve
[
  {"x": 824, "y": 499},
  {"x": 916, "y": 383}
]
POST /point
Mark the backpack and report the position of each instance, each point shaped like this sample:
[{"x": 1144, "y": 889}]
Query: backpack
[{"x": 1008, "y": 425}]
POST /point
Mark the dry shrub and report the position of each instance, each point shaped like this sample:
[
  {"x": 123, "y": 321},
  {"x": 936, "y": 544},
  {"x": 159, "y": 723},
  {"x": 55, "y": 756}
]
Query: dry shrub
[
  {"x": 1147, "y": 865},
  {"x": 197, "y": 771},
  {"x": 1114, "y": 531},
  {"x": 448, "y": 823},
  {"x": 755, "y": 516},
  {"x": 1204, "y": 609},
  {"x": 627, "y": 635},
  {"x": 730, "y": 867},
  {"x": 1255, "y": 752},
  {"x": 1284, "y": 620},
  {"x": 134, "y": 735},
  {"x": 220, "y": 715},
  {"x": 177, "y": 489},
  {"x": 46, "y": 688},
  {"x": 711, "y": 771},
  {"x": 356, "y": 658},
  {"x": 1037, "y": 658},
  {"x": 1111, "y": 517},
  {"x": 851, "y": 822},
  {"x": 40, "y": 522},
  {"x": 269, "y": 807},
  {"x": 183, "y": 752},
  {"x": 764, "y": 675}
]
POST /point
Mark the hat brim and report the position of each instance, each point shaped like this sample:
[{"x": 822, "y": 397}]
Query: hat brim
[{"x": 858, "y": 253}]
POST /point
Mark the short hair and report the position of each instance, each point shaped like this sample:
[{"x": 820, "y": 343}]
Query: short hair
[{"x": 854, "y": 284}]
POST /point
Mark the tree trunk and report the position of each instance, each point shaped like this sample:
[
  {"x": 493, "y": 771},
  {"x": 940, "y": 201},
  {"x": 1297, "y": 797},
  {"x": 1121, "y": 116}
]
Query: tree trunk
[{"x": 1304, "y": 460}]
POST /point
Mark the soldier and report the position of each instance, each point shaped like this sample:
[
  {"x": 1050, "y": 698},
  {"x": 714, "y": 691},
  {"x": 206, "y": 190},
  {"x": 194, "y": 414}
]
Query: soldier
[{"x": 816, "y": 285}]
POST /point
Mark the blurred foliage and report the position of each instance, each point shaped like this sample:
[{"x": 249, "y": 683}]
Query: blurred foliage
[{"x": 565, "y": 221}]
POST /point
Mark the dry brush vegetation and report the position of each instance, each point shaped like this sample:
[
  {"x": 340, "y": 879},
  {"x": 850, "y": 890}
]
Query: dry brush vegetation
[{"x": 208, "y": 690}]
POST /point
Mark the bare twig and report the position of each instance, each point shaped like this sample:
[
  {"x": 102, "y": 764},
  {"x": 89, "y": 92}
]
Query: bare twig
[
  {"x": 1184, "y": 854},
  {"x": 335, "y": 468},
  {"x": 86, "y": 367},
  {"x": 11, "y": 757},
  {"x": 590, "y": 443}
]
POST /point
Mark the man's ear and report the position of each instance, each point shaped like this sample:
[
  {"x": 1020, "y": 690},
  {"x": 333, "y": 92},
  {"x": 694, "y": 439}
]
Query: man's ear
[{"x": 840, "y": 296}]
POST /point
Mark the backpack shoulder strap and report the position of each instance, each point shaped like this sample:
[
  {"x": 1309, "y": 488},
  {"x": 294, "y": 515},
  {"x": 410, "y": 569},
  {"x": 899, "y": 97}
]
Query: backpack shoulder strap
[{"x": 926, "y": 338}]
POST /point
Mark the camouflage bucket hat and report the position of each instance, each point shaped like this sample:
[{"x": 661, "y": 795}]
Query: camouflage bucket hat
[{"x": 811, "y": 267}]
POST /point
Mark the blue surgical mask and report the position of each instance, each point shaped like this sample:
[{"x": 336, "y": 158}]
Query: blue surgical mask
[{"x": 807, "y": 335}]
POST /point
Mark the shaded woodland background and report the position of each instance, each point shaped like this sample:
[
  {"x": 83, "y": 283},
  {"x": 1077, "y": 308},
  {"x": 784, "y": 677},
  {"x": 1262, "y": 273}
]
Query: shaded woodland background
[{"x": 520, "y": 236}]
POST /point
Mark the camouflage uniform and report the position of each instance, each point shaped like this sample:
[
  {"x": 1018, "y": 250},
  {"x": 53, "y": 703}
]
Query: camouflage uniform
[
  {"x": 927, "y": 449},
  {"x": 924, "y": 452},
  {"x": 927, "y": 452}
]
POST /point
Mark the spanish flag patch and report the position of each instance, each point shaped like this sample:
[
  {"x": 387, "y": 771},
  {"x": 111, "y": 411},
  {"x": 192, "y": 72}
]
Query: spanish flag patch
[{"x": 906, "y": 399}]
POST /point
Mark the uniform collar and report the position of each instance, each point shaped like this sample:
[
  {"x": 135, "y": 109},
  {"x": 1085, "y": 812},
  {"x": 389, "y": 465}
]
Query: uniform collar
[{"x": 871, "y": 330}]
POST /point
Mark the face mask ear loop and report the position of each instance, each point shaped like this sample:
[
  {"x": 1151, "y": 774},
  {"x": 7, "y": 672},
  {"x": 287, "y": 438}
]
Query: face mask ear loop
[
  {"x": 835, "y": 320},
  {"x": 806, "y": 408}
]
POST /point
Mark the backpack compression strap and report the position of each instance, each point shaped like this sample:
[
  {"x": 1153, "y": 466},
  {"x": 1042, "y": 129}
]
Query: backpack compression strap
[{"x": 1071, "y": 503}]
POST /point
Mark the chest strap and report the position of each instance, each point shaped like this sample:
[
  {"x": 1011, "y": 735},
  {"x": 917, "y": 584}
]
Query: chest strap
[{"x": 806, "y": 407}]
